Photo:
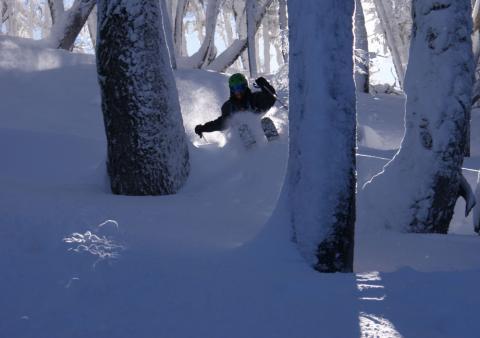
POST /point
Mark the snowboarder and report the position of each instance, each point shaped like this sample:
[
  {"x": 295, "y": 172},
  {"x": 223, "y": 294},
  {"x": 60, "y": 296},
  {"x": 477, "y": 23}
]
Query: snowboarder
[{"x": 242, "y": 99}]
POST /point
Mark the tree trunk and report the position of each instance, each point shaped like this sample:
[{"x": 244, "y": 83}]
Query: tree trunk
[
  {"x": 57, "y": 10},
  {"x": 179, "y": 37},
  {"x": 207, "y": 51},
  {"x": 282, "y": 14},
  {"x": 167, "y": 29},
  {"x": 321, "y": 170},
  {"x": 251, "y": 9},
  {"x": 228, "y": 57},
  {"x": 266, "y": 47},
  {"x": 417, "y": 190},
  {"x": 92, "y": 26},
  {"x": 398, "y": 48},
  {"x": 68, "y": 24},
  {"x": 147, "y": 150},
  {"x": 3, "y": 11},
  {"x": 362, "y": 60}
]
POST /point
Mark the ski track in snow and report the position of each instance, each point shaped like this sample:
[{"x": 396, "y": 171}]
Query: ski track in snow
[{"x": 205, "y": 262}]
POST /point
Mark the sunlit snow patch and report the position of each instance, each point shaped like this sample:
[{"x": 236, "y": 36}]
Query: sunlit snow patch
[{"x": 373, "y": 325}]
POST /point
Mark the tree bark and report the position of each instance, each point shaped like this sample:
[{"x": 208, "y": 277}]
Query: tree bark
[
  {"x": 417, "y": 190},
  {"x": 252, "y": 28},
  {"x": 167, "y": 29},
  {"x": 3, "y": 11},
  {"x": 320, "y": 183},
  {"x": 362, "y": 60},
  {"x": 266, "y": 47},
  {"x": 92, "y": 26},
  {"x": 68, "y": 24},
  {"x": 147, "y": 150},
  {"x": 394, "y": 42},
  {"x": 282, "y": 14},
  {"x": 178, "y": 38}
]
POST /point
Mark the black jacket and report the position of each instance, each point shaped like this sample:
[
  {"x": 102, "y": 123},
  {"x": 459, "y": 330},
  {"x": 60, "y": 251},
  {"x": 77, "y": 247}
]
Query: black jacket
[{"x": 258, "y": 102}]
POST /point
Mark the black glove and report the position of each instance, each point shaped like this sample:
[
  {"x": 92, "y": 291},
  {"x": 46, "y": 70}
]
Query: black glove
[
  {"x": 263, "y": 84},
  {"x": 199, "y": 130}
]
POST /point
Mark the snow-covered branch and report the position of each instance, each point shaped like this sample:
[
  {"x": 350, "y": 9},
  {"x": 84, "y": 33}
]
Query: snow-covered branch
[{"x": 228, "y": 57}]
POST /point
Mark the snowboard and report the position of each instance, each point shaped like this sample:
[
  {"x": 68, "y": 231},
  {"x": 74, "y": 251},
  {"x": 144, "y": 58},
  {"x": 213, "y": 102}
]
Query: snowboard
[
  {"x": 246, "y": 136},
  {"x": 269, "y": 129}
]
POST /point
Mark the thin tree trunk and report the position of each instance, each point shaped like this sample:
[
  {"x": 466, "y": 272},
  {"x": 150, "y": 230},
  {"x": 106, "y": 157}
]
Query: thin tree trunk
[
  {"x": 251, "y": 9},
  {"x": 147, "y": 150},
  {"x": 92, "y": 26},
  {"x": 266, "y": 47},
  {"x": 228, "y": 57},
  {"x": 385, "y": 15},
  {"x": 207, "y": 51},
  {"x": 179, "y": 29},
  {"x": 282, "y": 15},
  {"x": 68, "y": 24},
  {"x": 362, "y": 60},
  {"x": 321, "y": 197},
  {"x": 418, "y": 189},
  {"x": 167, "y": 28}
]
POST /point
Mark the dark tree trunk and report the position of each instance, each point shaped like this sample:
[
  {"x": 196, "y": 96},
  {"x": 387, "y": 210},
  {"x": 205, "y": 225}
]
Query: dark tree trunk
[{"x": 147, "y": 150}]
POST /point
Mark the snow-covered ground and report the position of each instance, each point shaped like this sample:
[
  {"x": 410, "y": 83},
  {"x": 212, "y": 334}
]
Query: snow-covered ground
[{"x": 76, "y": 261}]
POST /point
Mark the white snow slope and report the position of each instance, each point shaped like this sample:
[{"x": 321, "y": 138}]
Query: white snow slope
[{"x": 76, "y": 261}]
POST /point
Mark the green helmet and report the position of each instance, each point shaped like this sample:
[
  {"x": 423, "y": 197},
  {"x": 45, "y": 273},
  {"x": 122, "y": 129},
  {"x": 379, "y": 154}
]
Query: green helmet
[{"x": 237, "y": 79}]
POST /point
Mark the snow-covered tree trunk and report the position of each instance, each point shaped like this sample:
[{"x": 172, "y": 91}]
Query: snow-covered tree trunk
[
  {"x": 228, "y": 57},
  {"x": 476, "y": 50},
  {"x": 251, "y": 9},
  {"x": 147, "y": 150},
  {"x": 362, "y": 60},
  {"x": 3, "y": 11},
  {"x": 282, "y": 17},
  {"x": 178, "y": 37},
  {"x": 266, "y": 47},
  {"x": 417, "y": 190},
  {"x": 321, "y": 170},
  {"x": 398, "y": 43},
  {"x": 228, "y": 28},
  {"x": 68, "y": 24},
  {"x": 92, "y": 26},
  {"x": 207, "y": 52},
  {"x": 167, "y": 29}
]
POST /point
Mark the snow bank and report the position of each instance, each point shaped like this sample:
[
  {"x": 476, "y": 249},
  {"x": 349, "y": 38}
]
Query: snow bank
[{"x": 30, "y": 55}]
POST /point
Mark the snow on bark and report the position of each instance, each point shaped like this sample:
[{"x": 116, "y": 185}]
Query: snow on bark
[
  {"x": 92, "y": 26},
  {"x": 3, "y": 11},
  {"x": 282, "y": 14},
  {"x": 178, "y": 38},
  {"x": 147, "y": 150},
  {"x": 68, "y": 24},
  {"x": 417, "y": 190},
  {"x": 362, "y": 60},
  {"x": 233, "y": 52},
  {"x": 320, "y": 182},
  {"x": 207, "y": 52},
  {"x": 167, "y": 29},
  {"x": 57, "y": 10},
  {"x": 252, "y": 28},
  {"x": 266, "y": 46},
  {"x": 395, "y": 20}
]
